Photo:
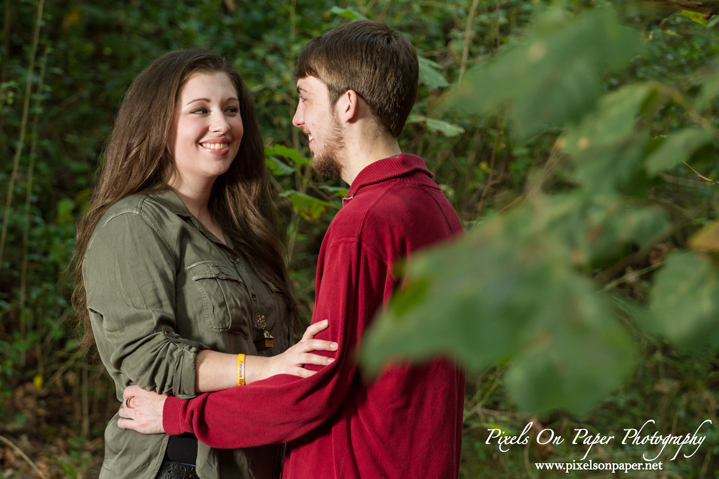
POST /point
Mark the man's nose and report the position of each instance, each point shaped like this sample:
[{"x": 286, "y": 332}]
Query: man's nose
[{"x": 298, "y": 120}]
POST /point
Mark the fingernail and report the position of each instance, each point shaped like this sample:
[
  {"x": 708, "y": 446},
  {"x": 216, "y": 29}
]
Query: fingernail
[
  {"x": 326, "y": 321},
  {"x": 333, "y": 345},
  {"x": 329, "y": 360}
]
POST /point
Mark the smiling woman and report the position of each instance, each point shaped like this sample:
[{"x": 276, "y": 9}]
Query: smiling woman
[
  {"x": 180, "y": 278},
  {"x": 208, "y": 128}
]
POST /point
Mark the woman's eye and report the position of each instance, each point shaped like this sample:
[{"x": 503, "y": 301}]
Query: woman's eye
[
  {"x": 199, "y": 111},
  {"x": 233, "y": 109}
]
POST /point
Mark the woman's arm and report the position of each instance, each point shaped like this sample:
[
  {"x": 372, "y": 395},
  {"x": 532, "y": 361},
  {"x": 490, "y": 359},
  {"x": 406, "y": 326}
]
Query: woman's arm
[
  {"x": 129, "y": 274},
  {"x": 218, "y": 371}
]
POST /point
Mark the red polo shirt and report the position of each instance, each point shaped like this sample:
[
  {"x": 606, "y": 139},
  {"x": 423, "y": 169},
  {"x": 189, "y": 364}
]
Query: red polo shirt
[{"x": 405, "y": 424}]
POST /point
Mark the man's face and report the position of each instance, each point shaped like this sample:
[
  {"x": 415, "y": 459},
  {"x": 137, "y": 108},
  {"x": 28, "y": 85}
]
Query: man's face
[{"x": 318, "y": 120}]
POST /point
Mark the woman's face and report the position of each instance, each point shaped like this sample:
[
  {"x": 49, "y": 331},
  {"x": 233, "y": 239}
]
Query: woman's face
[{"x": 207, "y": 128}]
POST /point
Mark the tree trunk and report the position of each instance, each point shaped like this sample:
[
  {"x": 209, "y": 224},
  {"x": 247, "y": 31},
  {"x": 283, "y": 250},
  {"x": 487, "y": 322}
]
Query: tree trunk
[{"x": 705, "y": 7}]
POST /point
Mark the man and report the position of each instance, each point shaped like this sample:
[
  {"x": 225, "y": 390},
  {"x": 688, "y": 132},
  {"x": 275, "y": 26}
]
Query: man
[{"x": 357, "y": 85}]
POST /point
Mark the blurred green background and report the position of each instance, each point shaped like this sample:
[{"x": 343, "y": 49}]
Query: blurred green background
[{"x": 577, "y": 141}]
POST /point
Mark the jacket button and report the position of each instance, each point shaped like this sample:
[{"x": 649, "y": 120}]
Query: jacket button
[
  {"x": 254, "y": 297},
  {"x": 235, "y": 259},
  {"x": 167, "y": 332}
]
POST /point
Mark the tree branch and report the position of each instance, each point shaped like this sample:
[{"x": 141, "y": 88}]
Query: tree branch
[{"x": 705, "y": 7}]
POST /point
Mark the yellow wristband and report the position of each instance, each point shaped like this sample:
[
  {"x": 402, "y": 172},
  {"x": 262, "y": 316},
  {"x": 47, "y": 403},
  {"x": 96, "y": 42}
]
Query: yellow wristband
[{"x": 240, "y": 369}]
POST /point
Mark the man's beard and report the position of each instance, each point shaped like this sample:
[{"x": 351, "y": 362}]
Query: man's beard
[{"x": 330, "y": 161}]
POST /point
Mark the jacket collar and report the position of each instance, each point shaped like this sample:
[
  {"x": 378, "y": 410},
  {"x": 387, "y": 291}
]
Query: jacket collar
[
  {"x": 173, "y": 202},
  {"x": 386, "y": 169}
]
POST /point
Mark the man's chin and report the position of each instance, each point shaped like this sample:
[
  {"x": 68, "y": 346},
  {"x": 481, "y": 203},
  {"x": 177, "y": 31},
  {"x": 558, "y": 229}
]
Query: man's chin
[{"x": 326, "y": 166}]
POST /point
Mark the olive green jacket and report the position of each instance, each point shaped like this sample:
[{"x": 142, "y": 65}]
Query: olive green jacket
[{"x": 160, "y": 287}]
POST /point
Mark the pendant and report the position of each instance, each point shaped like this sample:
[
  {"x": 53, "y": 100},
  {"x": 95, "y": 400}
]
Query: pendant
[{"x": 263, "y": 338}]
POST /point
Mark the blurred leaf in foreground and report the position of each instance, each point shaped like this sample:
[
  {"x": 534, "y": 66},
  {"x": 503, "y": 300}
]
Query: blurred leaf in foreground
[
  {"x": 508, "y": 293},
  {"x": 554, "y": 76},
  {"x": 685, "y": 301},
  {"x": 677, "y": 149}
]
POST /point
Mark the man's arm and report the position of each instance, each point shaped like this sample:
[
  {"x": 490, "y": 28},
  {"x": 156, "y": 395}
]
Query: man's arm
[{"x": 353, "y": 284}]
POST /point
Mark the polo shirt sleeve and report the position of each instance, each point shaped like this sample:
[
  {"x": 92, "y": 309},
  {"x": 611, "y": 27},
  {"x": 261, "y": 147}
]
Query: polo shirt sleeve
[
  {"x": 353, "y": 281},
  {"x": 129, "y": 275}
]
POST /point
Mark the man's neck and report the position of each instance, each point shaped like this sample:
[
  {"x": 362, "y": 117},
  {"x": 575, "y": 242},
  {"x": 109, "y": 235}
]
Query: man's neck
[{"x": 365, "y": 151}]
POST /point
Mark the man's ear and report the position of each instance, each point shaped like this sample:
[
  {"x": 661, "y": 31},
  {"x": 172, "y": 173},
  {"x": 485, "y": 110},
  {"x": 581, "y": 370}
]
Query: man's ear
[{"x": 348, "y": 106}]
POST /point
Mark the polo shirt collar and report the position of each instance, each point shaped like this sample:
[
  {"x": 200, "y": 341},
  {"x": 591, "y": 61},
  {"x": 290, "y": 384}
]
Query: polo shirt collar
[{"x": 386, "y": 169}]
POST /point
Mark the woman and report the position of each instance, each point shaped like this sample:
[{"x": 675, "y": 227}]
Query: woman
[{"x": 179, "y": 259}]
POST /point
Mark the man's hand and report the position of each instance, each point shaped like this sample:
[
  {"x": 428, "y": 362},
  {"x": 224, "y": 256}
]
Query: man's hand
[
  {"x": 141, "y": 411},
  {"x": 294, "y": 359}
]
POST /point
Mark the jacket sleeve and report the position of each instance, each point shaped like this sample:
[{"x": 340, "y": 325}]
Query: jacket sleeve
[
  {"x": 352, "y": 285},
  {"x": 129, "y": 275}
]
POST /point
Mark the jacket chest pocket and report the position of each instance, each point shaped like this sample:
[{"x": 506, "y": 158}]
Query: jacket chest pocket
[{"x": 226, "y": 302}]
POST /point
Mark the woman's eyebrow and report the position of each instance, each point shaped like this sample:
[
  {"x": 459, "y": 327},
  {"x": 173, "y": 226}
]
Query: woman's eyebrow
[
  {"x": 207, "y": 100},
  {"x": 197, "y": 99}
]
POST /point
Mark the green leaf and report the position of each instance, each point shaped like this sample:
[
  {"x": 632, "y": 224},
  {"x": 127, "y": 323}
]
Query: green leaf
[
  {"x": 335, "y": 190},
  {"x": 429, "y": 74},
  {"x": 309, "y": 207},
  {"x": 555, "y": 75},
  {"x": 576, "y": 364},
  {"x": 613, "y": 121},
  {"x": 685, "y": 301},
  {"x": 611, "y": 166},
  {"x": 695, "y": 16},
  {"x": 278, "y": 168},
  {"x": 68, "y": 468},
  {"x": 291, "y": 153},
  {"x": 677, "y": 149},
  {"x": 448, "y": 129},
  {"x": 347, "y": 13}
]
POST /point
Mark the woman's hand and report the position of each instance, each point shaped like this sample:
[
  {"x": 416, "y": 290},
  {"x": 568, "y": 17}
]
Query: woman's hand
[{"x": 292, "y": 361}]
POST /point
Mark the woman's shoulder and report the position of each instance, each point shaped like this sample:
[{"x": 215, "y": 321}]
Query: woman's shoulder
[
  {"x": 143, "y": 217},
  {"x": 158, "y": 209}
]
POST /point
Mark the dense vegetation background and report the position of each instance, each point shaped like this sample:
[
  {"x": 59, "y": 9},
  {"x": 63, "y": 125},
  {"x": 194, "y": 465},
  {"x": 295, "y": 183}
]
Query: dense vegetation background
[{"x": 586, "y": 296}]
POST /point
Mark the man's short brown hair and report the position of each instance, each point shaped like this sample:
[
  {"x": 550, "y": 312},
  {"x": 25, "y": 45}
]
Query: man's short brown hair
[{"x": 379, "y": 64}]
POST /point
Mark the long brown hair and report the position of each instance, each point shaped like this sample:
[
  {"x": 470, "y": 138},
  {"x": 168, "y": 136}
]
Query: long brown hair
[{"x": 136, "y": 162}]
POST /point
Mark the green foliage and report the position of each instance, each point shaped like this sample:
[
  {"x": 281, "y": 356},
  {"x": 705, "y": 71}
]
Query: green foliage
[
  {"x": 684, "y": 302},
  {"x": 446, "y": 128},
  {"x": 575, "y": 195},
  {"x": 677, "y": 148},
  {"x": 520, "y": 290},
  {"x": 429, "y": 74},
  {"x": 554, "y": 75},
  {"x": 309, "y": 207}
]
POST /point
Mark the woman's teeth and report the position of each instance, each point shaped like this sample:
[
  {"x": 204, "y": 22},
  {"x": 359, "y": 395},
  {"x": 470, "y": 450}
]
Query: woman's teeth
[{"x": 215, "y": 146}]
